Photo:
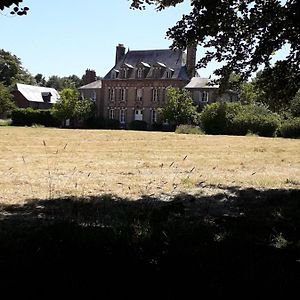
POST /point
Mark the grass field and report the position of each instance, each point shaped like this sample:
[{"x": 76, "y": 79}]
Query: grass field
[
  {"x": 48, "y": 163},
  {"x": 237, "y": 231}
]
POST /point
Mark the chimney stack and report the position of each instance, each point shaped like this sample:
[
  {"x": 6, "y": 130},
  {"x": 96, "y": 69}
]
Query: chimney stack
[
  {"x": 89, "y": 77},
  {"x": 191, "y": 60},
  {"x": 120, "y": 52}
]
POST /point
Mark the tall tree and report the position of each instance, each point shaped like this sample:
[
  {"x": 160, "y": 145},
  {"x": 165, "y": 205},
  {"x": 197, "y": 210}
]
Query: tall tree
[
  {"x": 241, "y": 34},
  {"x": 12, "y": 71},
  {"x": 6, "y": 102},
  {"x": 180, "y": 108}
]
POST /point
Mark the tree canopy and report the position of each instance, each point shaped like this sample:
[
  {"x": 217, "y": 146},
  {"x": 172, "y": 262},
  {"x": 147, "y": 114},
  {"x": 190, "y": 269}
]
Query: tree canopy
[
  {"x": 179, "y": 108},
  {"x": 242, "y": 35},
  {"x": 12, "y": 71}
]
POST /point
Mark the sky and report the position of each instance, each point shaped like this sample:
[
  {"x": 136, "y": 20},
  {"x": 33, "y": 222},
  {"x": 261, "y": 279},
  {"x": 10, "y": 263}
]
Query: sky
[{"x": 67, "y": 37}]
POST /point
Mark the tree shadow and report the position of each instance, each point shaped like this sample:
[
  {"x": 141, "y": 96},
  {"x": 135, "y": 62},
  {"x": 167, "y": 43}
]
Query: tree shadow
[{"x": 237, "y": 241}]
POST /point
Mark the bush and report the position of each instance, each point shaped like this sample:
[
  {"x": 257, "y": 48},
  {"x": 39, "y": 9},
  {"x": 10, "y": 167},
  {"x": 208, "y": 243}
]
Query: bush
[
  {"x": 295, "y": 105},
  {"x": 138, "y": 125},
  {"x": 260, "y": 124},
  {"x": 29, "y": 117},
  {"x": 188, "y": 129},
  {"x": 111, "y": 124},
  {"x": 290, "y": 128},
  {"x": 217, "y": 118}
]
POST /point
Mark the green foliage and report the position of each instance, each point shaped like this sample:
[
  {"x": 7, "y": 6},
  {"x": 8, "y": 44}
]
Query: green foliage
[
  {"x": 60, "y": 83},
  {"x": 188, "y": 129},
  {"x": 295, "y": 105},
  {"x": 180, "y": 108},
  {"x": 255, "y": 120},
  {"x": 29, "y": 117},
  {"x": 11, "y": 70},
  {"x": 6, "y": 102},
  {"x": 276, "y": 86},
  {"x": 234, "y": 118},
  {"x": 248, "y": 93},
  {"x": 138, "y": 125},
  {"x": 217, "y": 118},
  {"x": 290, "y": 128},
  {"x": 70, "y": 106},
  {"x": 242, "y": 35}
]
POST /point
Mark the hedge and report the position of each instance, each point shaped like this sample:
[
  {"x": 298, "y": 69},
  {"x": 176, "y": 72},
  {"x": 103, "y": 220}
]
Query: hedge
[
  {"x": 29, "y": 117},
  {"x": 290, "y": 128}
]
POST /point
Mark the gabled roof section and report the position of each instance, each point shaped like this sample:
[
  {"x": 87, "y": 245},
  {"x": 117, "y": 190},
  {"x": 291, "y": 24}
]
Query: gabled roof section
[
  {"x": 93, "y": 85},
  {"x": 172, "y": 59},
  {"x": 200, "y": 82},
  {"x": 35, "y": 93}
]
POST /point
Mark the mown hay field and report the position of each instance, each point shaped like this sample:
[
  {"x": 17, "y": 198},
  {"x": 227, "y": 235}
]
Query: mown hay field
[{"x": 45, "y": 163}]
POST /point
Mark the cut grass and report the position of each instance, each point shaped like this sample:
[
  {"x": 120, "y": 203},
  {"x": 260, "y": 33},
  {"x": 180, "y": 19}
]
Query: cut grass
[{"x": 48, "y": 163}]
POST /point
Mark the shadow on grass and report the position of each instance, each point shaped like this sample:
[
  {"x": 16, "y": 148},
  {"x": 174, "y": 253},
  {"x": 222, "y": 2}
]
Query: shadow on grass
[{"x": 238, "y": 242}]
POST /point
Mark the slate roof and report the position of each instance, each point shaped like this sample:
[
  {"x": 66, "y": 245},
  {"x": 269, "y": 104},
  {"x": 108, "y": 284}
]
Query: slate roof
[
  {"x": 173, "y": 60},
  {"x": 93, "y": 85},
  {"x": 34, "y": 93},
  {"x": 200, "y": 82}
]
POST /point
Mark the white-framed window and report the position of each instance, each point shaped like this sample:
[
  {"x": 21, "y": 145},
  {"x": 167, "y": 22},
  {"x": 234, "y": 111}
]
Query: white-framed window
[
  {"x": 169, "y": 74},
  {"x": 138, "y": 115},
  {"x": 155, "y": 93},
  {"x": 111, "y": 114},
  {"x": 153, "y": 116},
  {"x": 204, "y": 96},
  {"x": 123, "y": 94},
  {"x": 111, "y": 94},
  {"x": 122, "y": 115},
  {"x": 139, "y": 94},
  {"x": 115, "y": 74},
  {"x": 93, "y": 95},
  {"x": 140, "y": 73},
  {"x": 124, "y": 73}
]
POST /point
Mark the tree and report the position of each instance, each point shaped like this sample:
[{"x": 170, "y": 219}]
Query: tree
[
  {"x": 11, "y": 70},
  {"x": 70, "y": 106},
  {"x": 40, "y": 79},
  {"x": 6, "y": 102},
  {"x": 60, "y": 83},
  {"x": 20, "y": 11},
  {"x": 277, "y": 86},
  {"x": 241, "y": 34},
  {"x": 295, "y": 105},
  {"x": 180, "y": 108}
]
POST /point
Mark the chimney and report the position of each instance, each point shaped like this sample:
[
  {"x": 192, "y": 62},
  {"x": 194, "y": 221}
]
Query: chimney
[
  {"x": 191, "y": 60},
  {"x": 89, "y": 77},
  {"x": 120, "y": 52}
]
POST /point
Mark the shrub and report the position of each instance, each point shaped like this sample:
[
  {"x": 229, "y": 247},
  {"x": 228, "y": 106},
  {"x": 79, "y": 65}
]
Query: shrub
[
  {"x": 290, "y": 128},
  {"x": 188, "y": 129},
  {"x": 295, "y": 105},
  {"x": 111, "y": 124},
  {"x": 29, "y": 116},
  {"x": 138, "y": 125},
  {"x": 260, "y": 124},
  {"x": 237, "y": 119},
  {"x": 217, "y": 118}
]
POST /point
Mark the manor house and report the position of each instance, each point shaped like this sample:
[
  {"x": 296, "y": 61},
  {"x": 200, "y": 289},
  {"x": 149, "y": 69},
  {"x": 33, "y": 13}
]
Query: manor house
[{"x": 135, "y": 87}]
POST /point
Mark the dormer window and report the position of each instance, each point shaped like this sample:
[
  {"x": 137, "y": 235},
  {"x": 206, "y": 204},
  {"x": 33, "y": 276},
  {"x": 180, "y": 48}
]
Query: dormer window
[
  {"x": 126, "y": 70},
  {"x": 115, "y": 74},
  {"x": 46, "y": 96},
  {"x": 142, "y": 70},
  {"x": 158, "y": 70},
  {"x": 169, "y": 73},
  {"x": 140, "y": 73}
]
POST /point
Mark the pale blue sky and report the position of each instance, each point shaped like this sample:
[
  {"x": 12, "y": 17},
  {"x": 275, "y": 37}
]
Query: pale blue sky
[{"x": 65, "y": 37}]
